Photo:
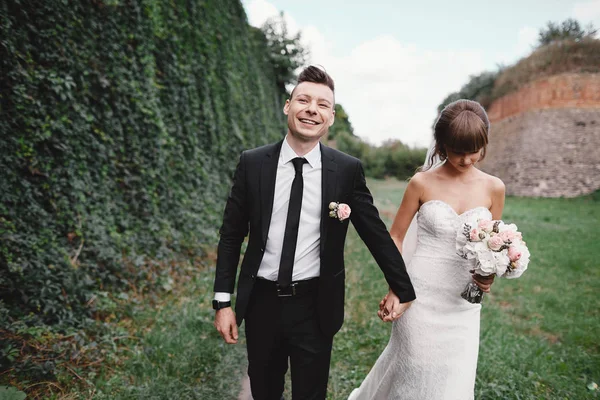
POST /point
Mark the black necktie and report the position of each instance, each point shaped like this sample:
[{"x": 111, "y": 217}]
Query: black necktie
[{"x": 291, "y": 226}]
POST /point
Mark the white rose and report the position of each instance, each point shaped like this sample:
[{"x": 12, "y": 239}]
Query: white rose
[
  {"x": 502, "y": 261},
  {"x": 472, "y": 249},
  {"x": 486, "y": 263}
]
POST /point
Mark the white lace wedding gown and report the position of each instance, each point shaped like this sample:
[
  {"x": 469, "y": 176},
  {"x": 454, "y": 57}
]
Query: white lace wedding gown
[{"x": 432, "y": 353}]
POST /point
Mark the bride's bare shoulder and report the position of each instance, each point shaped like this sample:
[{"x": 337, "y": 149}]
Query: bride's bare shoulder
[
  {"x": 493, "y": 182},
  {"x": 419, "y": 179}
]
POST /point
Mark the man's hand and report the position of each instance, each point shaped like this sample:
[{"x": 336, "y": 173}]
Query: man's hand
[
  {"x": 226, "y": 325},
  {"x": 390, "y": 308},
  {"x": 484, "y": 282}
]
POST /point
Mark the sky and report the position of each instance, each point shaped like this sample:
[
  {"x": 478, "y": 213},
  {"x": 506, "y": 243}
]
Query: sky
[{"x": 394, "y": 61}]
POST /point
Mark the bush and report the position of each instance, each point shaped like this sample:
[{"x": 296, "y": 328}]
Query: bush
[
  {"x": 391, "y": 159},
  {"x": 122, "y": 122}
]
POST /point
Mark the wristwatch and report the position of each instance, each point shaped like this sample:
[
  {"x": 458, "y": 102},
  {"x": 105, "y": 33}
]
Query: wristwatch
[{"x": 217, "y": 305}]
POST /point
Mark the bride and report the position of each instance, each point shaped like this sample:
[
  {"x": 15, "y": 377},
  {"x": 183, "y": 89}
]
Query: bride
[{"x": 432, "y": 352}]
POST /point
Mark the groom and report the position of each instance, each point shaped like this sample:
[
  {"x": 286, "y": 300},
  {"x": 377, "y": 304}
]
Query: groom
[{"x": 290, "y": 288}]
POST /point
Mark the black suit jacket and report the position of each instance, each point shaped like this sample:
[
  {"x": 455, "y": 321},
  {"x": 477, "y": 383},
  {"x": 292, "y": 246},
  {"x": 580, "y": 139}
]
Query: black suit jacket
[{"x": 249, "y": 208}]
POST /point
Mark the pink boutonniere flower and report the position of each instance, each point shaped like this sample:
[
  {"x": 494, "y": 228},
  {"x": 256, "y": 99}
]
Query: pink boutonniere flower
[{"x": 340, "y": 211}]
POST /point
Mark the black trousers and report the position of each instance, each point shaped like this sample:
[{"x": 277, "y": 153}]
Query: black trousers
[{"x": 279, "y": 329}]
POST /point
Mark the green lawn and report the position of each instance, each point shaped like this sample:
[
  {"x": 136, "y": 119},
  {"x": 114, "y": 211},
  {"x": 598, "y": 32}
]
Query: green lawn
[
  {"x": 539, "y": 334},
  {"x": 179, "y": 355}
]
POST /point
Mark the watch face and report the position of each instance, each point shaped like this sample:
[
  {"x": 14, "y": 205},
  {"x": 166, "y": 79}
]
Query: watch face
[{"x": 217, "y": 305}]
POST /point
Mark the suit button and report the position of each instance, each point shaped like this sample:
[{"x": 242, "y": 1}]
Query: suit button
[
  {"x": 262, "y": 250},
  {"x": 253, "y": 276}
]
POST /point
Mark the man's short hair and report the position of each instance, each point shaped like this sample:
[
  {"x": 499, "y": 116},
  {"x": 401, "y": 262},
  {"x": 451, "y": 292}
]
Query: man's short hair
[{"x": 316, "y": 75}]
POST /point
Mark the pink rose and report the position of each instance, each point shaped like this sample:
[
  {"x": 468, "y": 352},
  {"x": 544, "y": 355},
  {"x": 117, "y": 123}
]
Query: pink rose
[
  {"x": 486, "y": 225},
  {"x": 514, "y": 254},
  {"x": 343, "y": 211},
  {"x": 507, "y": 236},
  {"x": 495, "y": 243},
  {"x": 474, "y": 235}
]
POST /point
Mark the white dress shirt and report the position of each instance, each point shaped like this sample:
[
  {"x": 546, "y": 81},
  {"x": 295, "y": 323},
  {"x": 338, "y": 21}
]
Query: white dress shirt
[{"x": 307, "y": 262}]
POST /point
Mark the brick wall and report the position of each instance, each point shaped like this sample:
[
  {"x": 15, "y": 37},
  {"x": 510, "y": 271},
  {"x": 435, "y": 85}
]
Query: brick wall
[
  {"x": 545, "y": 138},
  {"x": 559, "y": 91},
  {"x": 548, "y": 152}
]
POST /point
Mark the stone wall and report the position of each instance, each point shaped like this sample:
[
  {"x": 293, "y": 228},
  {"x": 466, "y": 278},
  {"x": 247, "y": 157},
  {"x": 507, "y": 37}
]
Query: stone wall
[{"x": 545, "y": 138}]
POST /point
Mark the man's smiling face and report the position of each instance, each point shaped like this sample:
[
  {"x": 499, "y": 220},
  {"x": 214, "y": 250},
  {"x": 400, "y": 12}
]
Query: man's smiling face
[{"x": 310, "y": 111}]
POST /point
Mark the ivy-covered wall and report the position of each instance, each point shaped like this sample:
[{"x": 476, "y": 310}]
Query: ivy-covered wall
[{"x": 121, "y": 122}]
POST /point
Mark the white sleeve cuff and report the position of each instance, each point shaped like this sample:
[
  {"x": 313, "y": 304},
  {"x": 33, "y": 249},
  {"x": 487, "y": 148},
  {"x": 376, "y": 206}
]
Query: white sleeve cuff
[{"x": 222, "y": 296}]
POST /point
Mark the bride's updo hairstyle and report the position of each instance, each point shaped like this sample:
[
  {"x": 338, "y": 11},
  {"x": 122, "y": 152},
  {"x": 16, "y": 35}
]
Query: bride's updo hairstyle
[{"x": 462, "y": 127}]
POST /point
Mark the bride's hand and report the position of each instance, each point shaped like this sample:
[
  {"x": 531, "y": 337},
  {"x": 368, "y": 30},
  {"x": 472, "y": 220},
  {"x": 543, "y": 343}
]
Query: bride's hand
[
  {"x": 381, "y": 311},
  {"x": 484, "y": 282},
  {"x": 390, "y": 308},
  {"x": 382, "y": 302}
]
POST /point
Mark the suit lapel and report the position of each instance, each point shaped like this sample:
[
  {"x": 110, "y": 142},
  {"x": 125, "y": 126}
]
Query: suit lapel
[
  {"x": 268, "y": 174},
  {"x": 328, "y": 189}
]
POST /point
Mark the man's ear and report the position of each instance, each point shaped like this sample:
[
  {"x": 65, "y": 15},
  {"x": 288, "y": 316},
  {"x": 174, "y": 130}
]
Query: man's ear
[
  {"x": 286, "y": 107},
  {"x": 332, "y": 119}
]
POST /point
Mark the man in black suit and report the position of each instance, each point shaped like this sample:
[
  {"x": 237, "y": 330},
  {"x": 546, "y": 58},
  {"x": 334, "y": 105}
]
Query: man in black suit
[{"x": 290, "y": 288}]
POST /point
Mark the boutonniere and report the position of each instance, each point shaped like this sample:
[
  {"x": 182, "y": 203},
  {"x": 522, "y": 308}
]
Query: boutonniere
[{"x": 340, "y": 211}]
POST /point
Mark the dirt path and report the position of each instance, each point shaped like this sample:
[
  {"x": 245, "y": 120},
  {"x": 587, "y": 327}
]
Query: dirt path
[{"x": 245, "y": 393}]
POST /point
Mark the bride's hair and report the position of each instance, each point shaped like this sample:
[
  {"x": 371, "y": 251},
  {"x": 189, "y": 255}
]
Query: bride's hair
[{"x": 462, "y": 127}]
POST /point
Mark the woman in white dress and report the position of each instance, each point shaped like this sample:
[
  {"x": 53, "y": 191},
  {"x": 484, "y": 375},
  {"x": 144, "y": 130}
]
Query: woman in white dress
[{"x": 432, "y": 352}]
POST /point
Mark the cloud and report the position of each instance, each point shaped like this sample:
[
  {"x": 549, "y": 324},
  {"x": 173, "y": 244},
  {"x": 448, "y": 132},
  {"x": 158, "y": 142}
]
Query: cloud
[
  {"x": 390, "y": 89},
  {"x": 259, "y": 11},
  {"x": 588, "y": 11},
  {"x": 526, "y": 40}
]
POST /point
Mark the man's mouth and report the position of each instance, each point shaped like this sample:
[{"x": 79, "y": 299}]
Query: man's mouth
[{"x": 308, "y": 121}]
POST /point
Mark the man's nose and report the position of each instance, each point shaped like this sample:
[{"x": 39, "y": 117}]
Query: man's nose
[{"x": 312, "y": 107}]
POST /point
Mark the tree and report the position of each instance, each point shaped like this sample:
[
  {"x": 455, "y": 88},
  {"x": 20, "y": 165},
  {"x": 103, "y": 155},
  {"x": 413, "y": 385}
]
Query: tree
[
  {"x": 341, "y": 124},
  {"x": 286, "y": 52},
  {"x": 569, "y": 29},
  {"x": 478, "y": 88}
]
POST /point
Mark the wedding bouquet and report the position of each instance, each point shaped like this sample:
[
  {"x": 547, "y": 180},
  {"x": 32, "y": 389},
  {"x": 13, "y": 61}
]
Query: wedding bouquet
[{"x": 496, "y": 247}]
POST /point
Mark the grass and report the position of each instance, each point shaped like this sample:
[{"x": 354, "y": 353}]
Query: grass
[
  {"x": 180, "y": 354},
  {"x": 539, "y": 334}
]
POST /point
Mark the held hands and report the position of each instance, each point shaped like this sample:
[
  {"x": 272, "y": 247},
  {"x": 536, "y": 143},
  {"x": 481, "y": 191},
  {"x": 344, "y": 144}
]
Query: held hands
[
  {"x": 484, "y": 282},
  {"x": 390, "y": 308},
  {"x": 226, "y": 325}
]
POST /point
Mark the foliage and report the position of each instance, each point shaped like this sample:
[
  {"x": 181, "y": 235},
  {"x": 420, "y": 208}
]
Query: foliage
[
  {"x": 341, "y": 124},
  {"x": 391, "y": 159},
  {"x": 569, "y": 29},
  {"x": 478, "y": 88},
  {"x": 10, "y": 393},
  {"x": 121, "y": 123},
  {"x": 286, "y": 53}
]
